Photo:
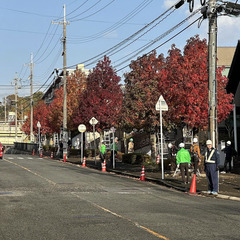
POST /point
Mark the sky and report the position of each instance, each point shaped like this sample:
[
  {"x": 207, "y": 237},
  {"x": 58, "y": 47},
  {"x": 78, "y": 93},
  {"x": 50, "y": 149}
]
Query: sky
[{"x": 95, "y": 28}]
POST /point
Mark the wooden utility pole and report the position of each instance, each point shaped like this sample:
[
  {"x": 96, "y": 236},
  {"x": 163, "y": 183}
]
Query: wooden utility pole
[
  {"x": 16, "y": 99},
  {"x": 31, "y": 100},
  {"x": 212, "y": 68},
  {"x": 64, "y": 54}
]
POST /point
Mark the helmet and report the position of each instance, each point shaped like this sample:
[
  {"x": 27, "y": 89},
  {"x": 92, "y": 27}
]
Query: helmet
[
  {"x": 170, "y": 145},
  {"x": 181, "y": 145},
  {"x": 131, "y": 139},
  {"x": 228, "y": 142},
  {"x": 208, "y": 142},
  {"x": 195, "y": 140}
]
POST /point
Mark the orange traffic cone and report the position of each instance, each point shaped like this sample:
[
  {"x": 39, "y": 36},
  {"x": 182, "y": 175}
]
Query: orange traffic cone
[
  {"x": 158, "y": 159},
  {"x": 33, "y": 152},
  {"x": 84, "y": 162},
  {"x": 51, "y": 155},
  {"x": 104, "y": 166},
  {"x": 193, "y": 185},
  {"x": 142, "y": 178},
  {"x": 65, "y": 158},
  {"x": 41, "y": 154}
]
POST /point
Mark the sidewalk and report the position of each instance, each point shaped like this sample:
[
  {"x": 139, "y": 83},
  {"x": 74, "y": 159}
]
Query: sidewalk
[{"x": 229, "y": 183}]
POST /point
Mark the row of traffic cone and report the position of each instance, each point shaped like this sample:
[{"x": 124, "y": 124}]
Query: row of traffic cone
[
  {"x": 193, "y": 184},
  {"x": 142, "y": 177}
]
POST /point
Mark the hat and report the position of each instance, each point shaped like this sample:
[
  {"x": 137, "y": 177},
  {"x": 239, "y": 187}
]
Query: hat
[
  {"x": 181, "y": 145},
  {"x": 228, "y": 142},
  {"x": 208, "y": 142},
  {"x": 195, "y": 140},
  {"x": 170, "y": 145},
  {"x": 131, "y": 139}
]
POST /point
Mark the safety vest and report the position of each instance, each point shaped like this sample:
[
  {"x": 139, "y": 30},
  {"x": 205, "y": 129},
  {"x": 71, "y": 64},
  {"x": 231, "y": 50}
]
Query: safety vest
[{"x": 208, "y": 159}]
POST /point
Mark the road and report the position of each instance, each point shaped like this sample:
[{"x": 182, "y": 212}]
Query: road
[{"x": 48, "y": 199}]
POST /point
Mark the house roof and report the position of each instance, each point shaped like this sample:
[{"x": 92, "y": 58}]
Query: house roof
[
  {"x": 234, "y": 72},
  {"x": 225, "y": 56}
]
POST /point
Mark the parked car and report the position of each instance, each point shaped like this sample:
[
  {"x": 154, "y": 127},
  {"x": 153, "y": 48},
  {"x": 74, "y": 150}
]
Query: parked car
[{"x": 1, "y": 151}]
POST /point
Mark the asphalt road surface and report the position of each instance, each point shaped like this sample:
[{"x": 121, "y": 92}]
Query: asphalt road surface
[{"x": 48, "y": 199}]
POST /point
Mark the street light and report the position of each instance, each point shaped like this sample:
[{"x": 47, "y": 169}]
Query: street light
[{"x": 39, "y": 137}]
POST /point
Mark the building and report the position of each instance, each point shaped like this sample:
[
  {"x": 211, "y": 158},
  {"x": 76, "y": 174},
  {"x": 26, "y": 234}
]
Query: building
[
  {"x": 233, "y": 87},
  {"x": 57, "y": 82}
]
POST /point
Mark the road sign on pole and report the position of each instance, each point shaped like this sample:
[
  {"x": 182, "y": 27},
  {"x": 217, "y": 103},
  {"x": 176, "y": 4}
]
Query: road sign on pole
[
  {"x": 93, "y": 121},
  {"x": 82, "y": 128},
  {"x": 161, "y": 105}
]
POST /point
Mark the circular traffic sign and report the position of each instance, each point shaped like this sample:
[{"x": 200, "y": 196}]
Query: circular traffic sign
[{"x": 82, "y": 128}]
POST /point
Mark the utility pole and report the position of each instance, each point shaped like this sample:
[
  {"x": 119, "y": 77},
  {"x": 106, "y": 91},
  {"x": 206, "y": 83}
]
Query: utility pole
[
  {"x": 212, "y": 68},
  {"x": 64, "y": 40},
  {"x": 5, "y": 109},
  {"x": 31, "y": 100},
  {"x": 16, "y": 92}
]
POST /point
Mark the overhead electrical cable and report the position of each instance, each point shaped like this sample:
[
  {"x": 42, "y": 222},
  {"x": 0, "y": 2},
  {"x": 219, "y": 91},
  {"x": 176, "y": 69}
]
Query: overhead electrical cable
[
  {"x": 90, "y": 15},
  {"x": 110, "y": 50},
  {"x": 146, "y": 46},
  {"x": 70, "y": 19},
  {"x": 114, "y": 26},
  {"x": 162, "y": 43}
]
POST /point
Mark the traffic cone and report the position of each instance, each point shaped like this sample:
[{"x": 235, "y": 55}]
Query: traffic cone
[
  {"x": 142, "y": 178},
  {"x": 193, "y": 185},
  {"x": 51, "y": 155},
  {"x": 41, "y": 154},
  {"x": 104, "y": 166},
  {"x": 65, "y": 158},
  {"x": 158, "y": 159},
  {"x": 84, "y": 162},
  {"x": 33, "y": 152}
]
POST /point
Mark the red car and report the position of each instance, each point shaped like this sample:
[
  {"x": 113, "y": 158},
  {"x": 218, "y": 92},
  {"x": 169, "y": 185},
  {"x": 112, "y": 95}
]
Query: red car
[{"x": 1, "y": 151}]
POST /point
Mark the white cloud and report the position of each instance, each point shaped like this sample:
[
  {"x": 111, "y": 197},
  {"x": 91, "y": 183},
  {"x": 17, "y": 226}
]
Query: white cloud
[
  {"x": 228, "y": 31},
  {"x": 169, "y": 3}
]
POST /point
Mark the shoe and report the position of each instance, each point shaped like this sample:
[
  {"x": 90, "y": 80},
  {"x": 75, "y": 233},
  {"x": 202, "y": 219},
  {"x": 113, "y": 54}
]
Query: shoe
[
  {"x": 214, "y": 193},
  {"x": 209, "y": 192},
  {"x": 223, "y": 172}
]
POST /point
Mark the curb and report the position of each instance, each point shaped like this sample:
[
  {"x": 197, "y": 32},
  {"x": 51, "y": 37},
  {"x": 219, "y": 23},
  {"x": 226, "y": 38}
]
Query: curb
[{"x": 163, "y": 183}]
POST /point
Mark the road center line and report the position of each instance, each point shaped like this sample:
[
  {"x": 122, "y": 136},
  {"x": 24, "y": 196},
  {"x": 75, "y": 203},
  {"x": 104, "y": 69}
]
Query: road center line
[
  {"x": 122, "y": 217},
  {"x": 34, "y": 173}
]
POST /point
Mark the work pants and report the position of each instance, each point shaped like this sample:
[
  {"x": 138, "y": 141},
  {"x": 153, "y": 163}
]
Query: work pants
[
  {"x": 111, "y": 158},
  {"x": 184, "y": 171},
  {"x": 102, "y": 157},
  {"x": 195, "y": 164},
  {"x": 227, "y": 161},
  {"x": 212, "y": 176}
]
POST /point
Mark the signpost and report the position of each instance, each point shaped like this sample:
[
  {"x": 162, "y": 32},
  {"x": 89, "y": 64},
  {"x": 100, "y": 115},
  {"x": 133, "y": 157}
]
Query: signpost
[
  {"x": 161, "y": 105},
  {"x": 113, "y": 129},
  {"x": 93, "y": 121},
  {"x": 81, "y": 129},
  {"x": 39, "y": 137}
]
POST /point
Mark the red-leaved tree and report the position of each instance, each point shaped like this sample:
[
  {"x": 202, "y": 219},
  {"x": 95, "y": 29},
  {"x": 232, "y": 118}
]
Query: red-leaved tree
[{"x": 102, "y": 97}]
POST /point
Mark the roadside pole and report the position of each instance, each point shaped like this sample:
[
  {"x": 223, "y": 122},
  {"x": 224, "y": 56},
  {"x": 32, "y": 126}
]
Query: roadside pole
[
  {"x": 93, "y": 121},
  {"x": 39, "y": 137},
  {"x": 161, "y": 105},
  {"x": 113, "y": 129},
  {"x": 82, "y": 129}
]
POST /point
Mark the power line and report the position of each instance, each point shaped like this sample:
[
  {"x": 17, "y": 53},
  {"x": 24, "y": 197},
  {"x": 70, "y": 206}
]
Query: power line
[
  {"x": 90, "y": 15},
  {"x": 164, "y": 42},
  {"x": 129, "y": 16},
  {"x": 146, "y": 46},
  {"x": 110, "y": 50}
]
